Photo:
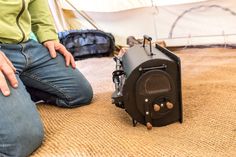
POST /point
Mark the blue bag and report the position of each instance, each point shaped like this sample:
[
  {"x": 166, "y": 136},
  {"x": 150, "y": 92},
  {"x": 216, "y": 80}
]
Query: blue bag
[{"x": 87, "y": 43}]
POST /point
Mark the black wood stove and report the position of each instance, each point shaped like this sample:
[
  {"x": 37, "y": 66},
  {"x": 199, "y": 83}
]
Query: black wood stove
[{"x": 148, "y": 85}]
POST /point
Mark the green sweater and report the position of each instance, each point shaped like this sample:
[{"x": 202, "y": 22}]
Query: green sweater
[{"x": 20, "y": 17}]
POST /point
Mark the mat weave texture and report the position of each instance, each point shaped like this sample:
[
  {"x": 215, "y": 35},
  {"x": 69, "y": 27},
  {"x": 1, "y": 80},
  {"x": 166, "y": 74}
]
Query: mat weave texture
[{"x": 101, "y": 129}]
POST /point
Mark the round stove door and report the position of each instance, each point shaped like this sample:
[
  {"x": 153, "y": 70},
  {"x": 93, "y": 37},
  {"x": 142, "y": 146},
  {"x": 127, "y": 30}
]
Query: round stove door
[{"x": 153, "y": 89}]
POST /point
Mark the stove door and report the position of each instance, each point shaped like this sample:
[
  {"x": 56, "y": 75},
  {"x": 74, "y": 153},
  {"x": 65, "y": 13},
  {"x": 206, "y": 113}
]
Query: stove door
[{"x": 154, "y": 92}]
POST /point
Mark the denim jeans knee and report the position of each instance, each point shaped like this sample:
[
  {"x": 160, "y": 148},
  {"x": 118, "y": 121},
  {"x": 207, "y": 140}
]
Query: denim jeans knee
[
  {"x": 82, "y": 96},
  {"x": 21, "y": 130},
  {"x": 63, "y": 86},
  {"x": 22, "y": 142}
]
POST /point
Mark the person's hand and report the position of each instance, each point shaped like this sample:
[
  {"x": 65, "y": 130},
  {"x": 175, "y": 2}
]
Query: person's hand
[
  {"x": 54, "y": 46},
  {"x": 7, "y": 71}
]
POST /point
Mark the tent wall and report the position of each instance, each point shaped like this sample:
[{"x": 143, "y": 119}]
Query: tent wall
[
  {"x": 119, "y": 5},
  {"x": 205, "y": 22},
  {"x": 58, "y": 15}
]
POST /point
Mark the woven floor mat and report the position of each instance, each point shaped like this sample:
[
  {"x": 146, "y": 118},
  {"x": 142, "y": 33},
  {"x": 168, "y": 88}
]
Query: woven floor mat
[{"x": 101, "y": 129}]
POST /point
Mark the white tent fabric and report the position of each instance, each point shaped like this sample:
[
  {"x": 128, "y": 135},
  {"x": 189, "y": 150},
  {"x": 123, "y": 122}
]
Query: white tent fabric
[
  {"x": 119, "y": 5},
  {"x": 57, "y": 13},
  {"x": 196, "y": 23}
]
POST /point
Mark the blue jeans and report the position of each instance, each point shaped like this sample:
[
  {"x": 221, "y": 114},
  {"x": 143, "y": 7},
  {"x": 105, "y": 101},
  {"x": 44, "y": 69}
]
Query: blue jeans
[{"x": 40, "y": 78}]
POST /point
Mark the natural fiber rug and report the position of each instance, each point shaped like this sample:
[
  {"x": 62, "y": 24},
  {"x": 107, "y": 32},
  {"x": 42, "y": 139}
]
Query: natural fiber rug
[{"x": 101, "y": 129}]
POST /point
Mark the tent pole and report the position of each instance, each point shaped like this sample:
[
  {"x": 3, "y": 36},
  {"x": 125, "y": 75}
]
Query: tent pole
[
  {"x": 82, "y": 14},
  {"x": 155, "y": 12}
]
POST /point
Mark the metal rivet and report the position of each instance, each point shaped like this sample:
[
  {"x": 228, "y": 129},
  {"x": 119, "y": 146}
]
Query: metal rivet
[
  {"x": 147, "y": 113},
  {"x": 146, "y": 100}
]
